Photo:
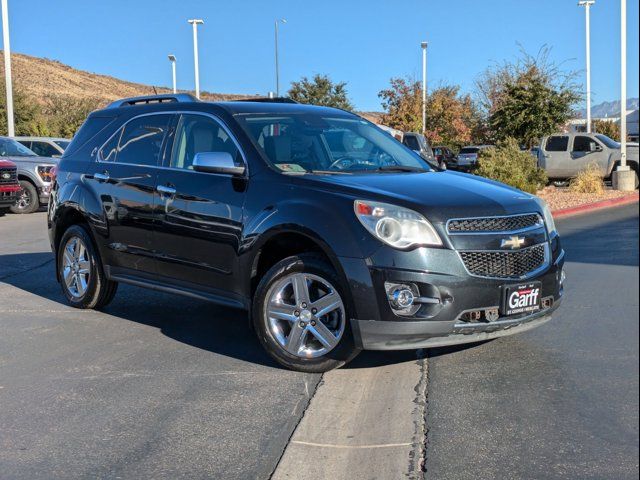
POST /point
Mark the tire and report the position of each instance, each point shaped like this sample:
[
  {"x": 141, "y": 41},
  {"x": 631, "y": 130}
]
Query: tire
[
  {"x": 28, "y": 200},
  {"x": 275, "y": 325},
  {"x": 90, "y": 288}
]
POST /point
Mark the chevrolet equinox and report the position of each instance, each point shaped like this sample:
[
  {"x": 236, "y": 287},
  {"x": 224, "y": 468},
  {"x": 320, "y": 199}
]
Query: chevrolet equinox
[{"x": 332, "y": 234}]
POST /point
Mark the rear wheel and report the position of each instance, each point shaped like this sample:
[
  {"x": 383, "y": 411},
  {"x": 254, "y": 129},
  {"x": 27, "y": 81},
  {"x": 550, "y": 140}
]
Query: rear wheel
[
  {"x": 28, "y": 201},
  {"x": 301, "y": 316},
  {"x": 81, "y": 276}
]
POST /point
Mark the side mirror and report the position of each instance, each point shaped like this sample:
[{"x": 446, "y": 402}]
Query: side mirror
[{"x": 216, "y": 162}]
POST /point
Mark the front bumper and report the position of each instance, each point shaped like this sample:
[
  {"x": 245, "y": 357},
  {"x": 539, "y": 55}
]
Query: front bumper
[
  {"x": 44, "y": 192},
  {"x": 438, "y": 274},
  {"x": 8, "y": 197},
  {"x": 372, "y": 335}
]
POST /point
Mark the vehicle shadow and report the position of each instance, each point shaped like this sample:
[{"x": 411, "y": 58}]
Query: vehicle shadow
[{"x": 220, "y": 330}]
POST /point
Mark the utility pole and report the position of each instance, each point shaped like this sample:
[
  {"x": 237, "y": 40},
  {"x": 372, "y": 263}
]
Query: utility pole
[
  {"x": 7, "y": 68},
  {"x": 587, "y": 6},
  {"x": 194, "y": 23},
  {"x": 424, "y": 85},
  {"x": 172, "y": 59},
  {"x": 623, "y": 177},
  {"x": 278, "y": 21}
]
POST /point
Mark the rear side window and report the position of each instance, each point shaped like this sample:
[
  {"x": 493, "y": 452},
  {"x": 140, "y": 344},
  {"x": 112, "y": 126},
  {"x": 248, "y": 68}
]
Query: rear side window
[
  {"x": 470, "y": 150},
  {"x": 411, "y": 142},
  {"x": 139, "y": 142},
  {"x": 89, "y": 129},
  {"x": 44, "y": 149},
  {"x": 557, "y": 144}
]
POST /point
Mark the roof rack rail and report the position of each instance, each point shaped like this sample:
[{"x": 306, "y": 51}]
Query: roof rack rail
[
  {"x": 146, "y": 99},
  {"x": 268, "y": 100}
]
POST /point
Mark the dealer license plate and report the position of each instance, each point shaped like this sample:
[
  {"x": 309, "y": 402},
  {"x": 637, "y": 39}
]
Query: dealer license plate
[{"x": 523, "y": 298}]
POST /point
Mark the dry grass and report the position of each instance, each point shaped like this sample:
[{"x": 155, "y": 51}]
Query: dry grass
[
  {"x": 39, "y": 77},
  {"x": 589, "y": 180}
]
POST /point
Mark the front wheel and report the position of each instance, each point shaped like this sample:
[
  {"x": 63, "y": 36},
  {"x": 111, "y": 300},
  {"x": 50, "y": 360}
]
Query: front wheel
[
  {"x": 301, "y": 316},
  {"x": 81, "y": 276},
  {"x": 28, "y": 200}
]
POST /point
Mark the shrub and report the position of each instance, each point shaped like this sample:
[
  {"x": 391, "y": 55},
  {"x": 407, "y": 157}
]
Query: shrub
[
  {"x": 589, "y": 180},
  {"x": 508, "y": 164}
]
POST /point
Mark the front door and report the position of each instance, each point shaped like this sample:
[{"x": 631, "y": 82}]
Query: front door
[
  {"x": 199, "y": 215},
  {"x": 124, "y": 179},
  {"x": 585, "y": 151}
]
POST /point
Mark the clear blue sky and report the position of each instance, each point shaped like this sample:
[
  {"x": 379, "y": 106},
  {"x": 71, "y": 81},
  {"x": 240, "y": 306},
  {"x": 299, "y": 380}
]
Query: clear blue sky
[{"x": 363, "y": 42}]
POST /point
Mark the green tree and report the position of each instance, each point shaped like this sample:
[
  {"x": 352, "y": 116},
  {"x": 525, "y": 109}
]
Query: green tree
[
  {"x": 527, "y": 99},
  {"x": 64, "y": 114},
  {"x": 27, "y": 115},
  {"x": 610, "y": 129},
  {"x": 508, "y": 164},
  {"x": 321, "y": 90}
]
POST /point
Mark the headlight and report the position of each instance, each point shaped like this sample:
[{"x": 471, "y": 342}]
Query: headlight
[
  {"x": 548, "y": 217},
  {"x": 396, "y": 226},
  {"x": 45, "y": 172}
]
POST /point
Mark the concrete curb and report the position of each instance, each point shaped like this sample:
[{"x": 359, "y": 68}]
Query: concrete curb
[{"x": 616, "y": 202}]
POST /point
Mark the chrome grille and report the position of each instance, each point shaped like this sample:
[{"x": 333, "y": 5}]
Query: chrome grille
[
  {"x": 513, "y": 264},
  {"x": 13, "y": 176},
  {"x": 512, "y": 223}
]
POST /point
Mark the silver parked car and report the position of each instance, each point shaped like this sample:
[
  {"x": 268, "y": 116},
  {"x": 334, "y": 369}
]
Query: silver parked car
[
  {"x": 468, "y": 156},
  {"x": 34, "y": 175},
  {"x": 45, "y": 146},
  {"x": 563, "y": 155}
]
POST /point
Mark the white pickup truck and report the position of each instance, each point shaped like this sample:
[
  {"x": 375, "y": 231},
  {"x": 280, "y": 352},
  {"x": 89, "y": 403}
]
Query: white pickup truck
[{"x": 563, "y": 155}]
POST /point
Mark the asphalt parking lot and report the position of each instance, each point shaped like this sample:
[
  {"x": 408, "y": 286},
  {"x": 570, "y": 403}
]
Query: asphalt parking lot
[{"x": 158, "y": 386}]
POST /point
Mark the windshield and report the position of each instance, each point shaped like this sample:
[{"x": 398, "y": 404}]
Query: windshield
[
  {"x": 470, "y": 150},
  {"x": 315, "y": 143},
  {"x": 62, "y": 143},
  {"x": 11, "y": 148},
  {"x": 608, "y": 141}
]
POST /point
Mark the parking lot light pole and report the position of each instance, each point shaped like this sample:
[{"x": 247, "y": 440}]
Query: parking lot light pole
[
  {"x": 587, "y": 6},
  {"x": 194, "y": 23},
  {"x": 172, "y": 59},
  {"x": 7, "y": 68},
  {"x": 277, "y": 22},
  {"x": 424, "y": 86}
]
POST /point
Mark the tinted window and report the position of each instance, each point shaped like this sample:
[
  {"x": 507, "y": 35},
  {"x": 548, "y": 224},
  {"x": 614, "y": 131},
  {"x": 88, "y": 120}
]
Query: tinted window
[
  {"x": 199, "y": 133},
  {"x": 583, "y": 144},
  {"x": 470, "y": 150},
  {"x": 557, "y": 144},
  {"x": 62, "y": 143},
  {"x": 88, "y": 130},
  {"x": 411, "y": 142},
  {"x": 110, "y": 149},
  {"x": 44, "y": 149},
  {"x": 141, "y": 140}
]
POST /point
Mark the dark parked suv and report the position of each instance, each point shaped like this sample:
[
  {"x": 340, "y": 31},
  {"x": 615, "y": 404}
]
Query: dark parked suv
[{"x": 333, "y": 235}]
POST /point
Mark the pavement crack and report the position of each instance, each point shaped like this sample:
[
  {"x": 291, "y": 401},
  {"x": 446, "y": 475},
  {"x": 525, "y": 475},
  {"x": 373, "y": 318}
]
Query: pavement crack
[
  {"x": 419, "y": 454},
  {"x": 293, "y": 430}
]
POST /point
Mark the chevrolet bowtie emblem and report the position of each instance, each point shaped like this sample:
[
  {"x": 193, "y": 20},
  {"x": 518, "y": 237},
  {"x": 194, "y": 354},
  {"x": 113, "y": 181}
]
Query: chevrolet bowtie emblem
[{"x": 513, "y": 242}]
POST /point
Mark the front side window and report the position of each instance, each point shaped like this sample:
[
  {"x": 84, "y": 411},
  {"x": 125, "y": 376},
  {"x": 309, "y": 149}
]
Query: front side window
[
  {"x": 44, "y": 149},
  {"x": 584, "y": 144},
  {"x": 303, "y": 142},
  {"x": 139, "y": 142},
  {"x": 197, "y": 134},
  {"x": 411, "y": 142},
  {"x": 557, "y": 144}
]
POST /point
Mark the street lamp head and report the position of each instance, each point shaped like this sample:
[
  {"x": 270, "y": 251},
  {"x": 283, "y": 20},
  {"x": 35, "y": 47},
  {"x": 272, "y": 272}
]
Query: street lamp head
[
  {"x": 172, "y": 58},
  {"x": 196, "y": 21},
  {"x": 424, "y": 44}
]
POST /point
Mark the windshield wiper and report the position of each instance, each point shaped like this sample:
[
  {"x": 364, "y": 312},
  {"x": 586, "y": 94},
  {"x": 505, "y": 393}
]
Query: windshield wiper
[{"x": 400, "y": 168}]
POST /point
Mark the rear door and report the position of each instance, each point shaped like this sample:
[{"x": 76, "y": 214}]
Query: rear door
[
  {"x": 124, "y": 179},
  {"x": 199, "y": 215},
  {"x": 556, "y": 159}
]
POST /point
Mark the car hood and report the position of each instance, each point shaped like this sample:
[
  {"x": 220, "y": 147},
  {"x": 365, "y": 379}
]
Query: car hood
[
  {"x": 6, "y": 163},
  {"x": 438, "y": 195},
  {"x": 33, "y": 160}
]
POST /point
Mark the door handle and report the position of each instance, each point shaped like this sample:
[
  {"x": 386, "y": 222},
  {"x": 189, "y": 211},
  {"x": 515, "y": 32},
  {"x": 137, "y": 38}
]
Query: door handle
[
  {"x": 166, "y": 190},
  {"x": 102, "y": 177}
]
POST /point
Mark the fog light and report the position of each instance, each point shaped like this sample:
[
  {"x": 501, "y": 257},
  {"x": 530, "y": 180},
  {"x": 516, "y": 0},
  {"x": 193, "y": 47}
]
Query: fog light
[{"x": 401, "y": 298}]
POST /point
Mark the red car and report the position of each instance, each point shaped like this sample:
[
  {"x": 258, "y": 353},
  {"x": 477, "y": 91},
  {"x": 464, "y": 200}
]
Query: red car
[{"x": 9, "y": 186}]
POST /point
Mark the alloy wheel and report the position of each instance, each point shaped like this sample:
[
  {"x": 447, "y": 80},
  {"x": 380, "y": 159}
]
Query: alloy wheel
[
  {"x": 76, "y": 267},
  {"x": 24, "y": 200},
  {"x": 305, "y": 314}
]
